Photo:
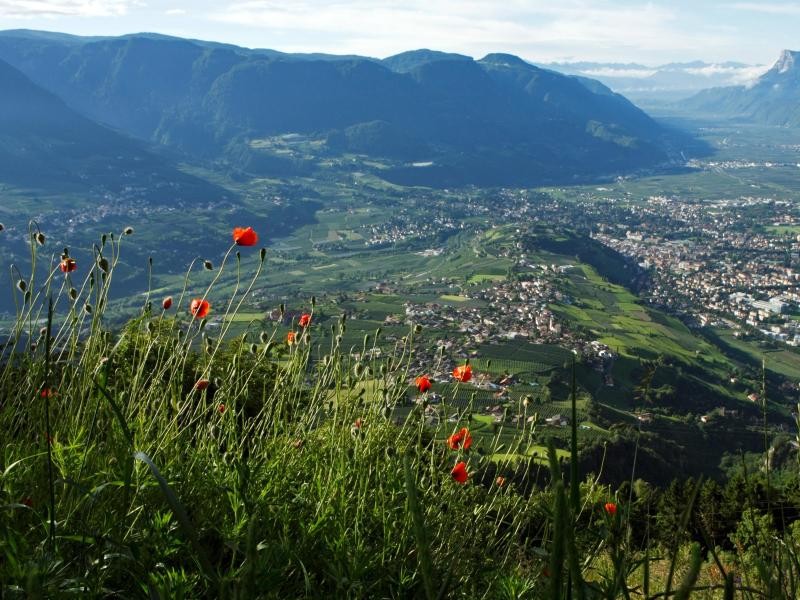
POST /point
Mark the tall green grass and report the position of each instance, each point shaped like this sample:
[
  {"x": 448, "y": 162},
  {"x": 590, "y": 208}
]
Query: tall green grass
[{"x": 287, "y": 476}]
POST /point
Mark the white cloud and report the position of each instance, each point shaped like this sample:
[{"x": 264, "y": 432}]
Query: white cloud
[
  {"x": 770, "y": 8},
  {"x": 535, "y": 29},
  {"x": 731, "y": 75},
  {"x": 633, "y": 73},
  {"x": 27, "y": 9},
  {"x": 175, "y": 11}
]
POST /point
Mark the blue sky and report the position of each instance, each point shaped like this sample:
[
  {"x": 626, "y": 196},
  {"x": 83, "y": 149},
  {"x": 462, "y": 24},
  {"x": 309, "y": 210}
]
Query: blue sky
[{"x": 539, "y": 30}]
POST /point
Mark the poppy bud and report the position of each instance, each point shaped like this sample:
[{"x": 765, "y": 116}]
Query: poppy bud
[
  {"x": 22, "y": 286},
  {"x": 253, "y": 348},
  {"x": 103, "y": 264},
  {"x": 166, "y": 303},
  {"x": 263, "y": 254},
  {"x": 417, "y": 328},
  {"x": 103, "y": 239},
  {"x": 43, "y": 331},
  {"x": 268, "y": 347},
  {"x": 313, "y": 301},
  {"x": 282, "y": 308},
  {"x": 73, "y": 293},
  {"x": 2, "y": 227},
  {"x": 40, "y": 239},
  {"x": 128, "y": 231},
  {"x": 150, "y": 327},
  {"x": 87, "y": 308},
  {"x": 207, "y": 265}
]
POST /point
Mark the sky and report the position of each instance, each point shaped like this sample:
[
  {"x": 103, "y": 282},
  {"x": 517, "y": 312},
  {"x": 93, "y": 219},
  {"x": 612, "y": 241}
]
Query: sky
[{"x": 648, "y": 33}]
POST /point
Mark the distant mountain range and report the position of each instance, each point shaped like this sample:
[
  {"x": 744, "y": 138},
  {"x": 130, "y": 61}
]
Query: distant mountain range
[
  {"x": 498, "y": 120},
  {"x": 651, "y": 86},
  {"x": 772, "y": 99}
]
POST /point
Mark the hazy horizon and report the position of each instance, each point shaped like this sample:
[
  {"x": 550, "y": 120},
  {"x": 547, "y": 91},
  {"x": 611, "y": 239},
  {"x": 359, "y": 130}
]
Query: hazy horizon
[{"x": 646, "y": 33}]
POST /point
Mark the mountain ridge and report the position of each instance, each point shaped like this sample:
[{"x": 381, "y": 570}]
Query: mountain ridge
[
  {"x": 497, "y": 120},
  {"x": 772, "y": 99}
]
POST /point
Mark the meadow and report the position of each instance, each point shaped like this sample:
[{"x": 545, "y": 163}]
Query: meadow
[{"x": 166, "y": 458}]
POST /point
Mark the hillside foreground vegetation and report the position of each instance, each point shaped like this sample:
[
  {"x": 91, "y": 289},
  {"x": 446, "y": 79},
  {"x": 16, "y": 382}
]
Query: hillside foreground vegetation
[{"x": 167, "y": 459}]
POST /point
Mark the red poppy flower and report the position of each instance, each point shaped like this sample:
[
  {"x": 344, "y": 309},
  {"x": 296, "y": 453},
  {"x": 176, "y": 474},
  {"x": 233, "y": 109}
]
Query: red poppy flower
[
  {"x": 48, "y": 392},
  {"x": 463, "y": 373},
  {"x": 290, "y": 337},
  {"x": 423, "y": 384},
  {"x": 305, "y": 320},
  {"x": 201, "y": 384},
  {"x": 461, "y": 439},
  {"x": 245, "y": 236},
  {"x": 500, "y": 481},
  {"x": 459, "y": 473},
  {"x": 68, "y": 265},
  {"x": 359, "y": 422},
  {"x": 166, "y": 303},
  {"x": 221, "y": 408},
  {"x": 199, "y": 308},
  {"x": 610, "y": 508}
]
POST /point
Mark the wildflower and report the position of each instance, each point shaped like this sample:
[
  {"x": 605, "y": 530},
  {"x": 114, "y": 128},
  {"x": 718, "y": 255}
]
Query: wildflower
[
  {"x": 305, "y": 320},
  {"x": 221, "y": 408},
  {"x": 201, "y": 384},
  {"x": 166, "y": 303},
  {"x": 461, "y": 439},
  {"x": 463, "y": 373},
  {"x": 500, "y": 481},
  {"x": 358, "y": 423},
  {"x": 48, "y": 392},
  {"x": 68, "y": 265},
  {"x": 245, "y": 236},
  {"x": 610, "y": 508},
  {"x": 199, "y": 308},
  {"x": 290, "y": 337},
  {"x": 459, "y": 473},
  {"x": 423, "y": 384}
]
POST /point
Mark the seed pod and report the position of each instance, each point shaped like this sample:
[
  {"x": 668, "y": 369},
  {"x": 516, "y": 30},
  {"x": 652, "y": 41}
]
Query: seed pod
[{"x": 208, "y": 265}]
